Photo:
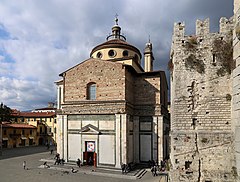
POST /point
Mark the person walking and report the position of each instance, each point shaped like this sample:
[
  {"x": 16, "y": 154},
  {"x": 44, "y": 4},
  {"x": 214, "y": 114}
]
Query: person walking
[
  {"x": 57, "y": 157},
  {"x": 155, "y": 170},
  {"x": 78, "y": 162},
  {"x": 24, "y": 164}
]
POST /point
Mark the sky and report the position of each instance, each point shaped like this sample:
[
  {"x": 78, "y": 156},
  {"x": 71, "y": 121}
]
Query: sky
[{"x": 41, "y": 39}]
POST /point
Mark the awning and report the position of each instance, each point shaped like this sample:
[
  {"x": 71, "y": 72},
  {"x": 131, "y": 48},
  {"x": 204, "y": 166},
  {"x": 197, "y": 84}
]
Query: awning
[
  {"x": 23, "y": 138},
  {"x": 4, "y": 138},
  {"x": 31, "y": 137}
]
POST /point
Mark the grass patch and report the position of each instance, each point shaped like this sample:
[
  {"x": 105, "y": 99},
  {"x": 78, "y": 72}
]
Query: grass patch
[{"x": 224, "y": 55}]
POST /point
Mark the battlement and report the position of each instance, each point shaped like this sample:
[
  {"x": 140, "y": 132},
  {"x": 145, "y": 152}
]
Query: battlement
[
  {"x": 236, "y": 6},
  {"x": 203, "y": 27},
  {"x": 225, "y": 25},
  {"x": 179, "y": 29}
]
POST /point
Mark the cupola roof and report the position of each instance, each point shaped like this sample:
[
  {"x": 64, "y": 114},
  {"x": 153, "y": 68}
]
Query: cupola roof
[{"x": 116, "y": 40}]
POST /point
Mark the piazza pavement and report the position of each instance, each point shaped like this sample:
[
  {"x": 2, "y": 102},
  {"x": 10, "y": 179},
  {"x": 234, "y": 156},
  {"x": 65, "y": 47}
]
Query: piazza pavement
[{"x": 11, "y": 169}]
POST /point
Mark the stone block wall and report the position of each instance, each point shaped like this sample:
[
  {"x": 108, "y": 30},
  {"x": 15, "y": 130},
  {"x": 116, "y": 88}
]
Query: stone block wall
[
  {"x": 201, "y": 128},
  {"x": 236, "y": 85},
  {"x": 236, "y": 5}
]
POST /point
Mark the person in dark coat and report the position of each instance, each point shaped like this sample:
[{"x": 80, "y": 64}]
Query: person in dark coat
[
  {"x": 123, "y": 166},
  {"x": 78, "y": 162},
  {"x": 154, "y": 170}
]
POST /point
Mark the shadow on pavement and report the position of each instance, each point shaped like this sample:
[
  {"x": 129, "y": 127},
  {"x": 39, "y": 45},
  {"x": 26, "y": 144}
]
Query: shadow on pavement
[{"x": 17, "y": 152}]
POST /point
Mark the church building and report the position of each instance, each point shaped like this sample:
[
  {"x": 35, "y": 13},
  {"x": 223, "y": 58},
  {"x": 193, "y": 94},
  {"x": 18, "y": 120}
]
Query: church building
[{"x": 112, "y": 111}]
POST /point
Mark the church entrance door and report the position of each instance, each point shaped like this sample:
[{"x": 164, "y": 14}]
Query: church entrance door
[{"x": 90, "y": 156}]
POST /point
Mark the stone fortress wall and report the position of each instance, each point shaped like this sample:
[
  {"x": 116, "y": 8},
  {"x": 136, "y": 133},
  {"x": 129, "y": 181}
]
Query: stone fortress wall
[
  {"x": 236, "y": 83},
  {"x": 202, "y": 139}
]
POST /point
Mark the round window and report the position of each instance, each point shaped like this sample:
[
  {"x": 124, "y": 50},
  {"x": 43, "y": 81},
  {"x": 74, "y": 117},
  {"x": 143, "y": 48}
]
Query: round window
[
  {"x": 112, "y": 53},
  {"x": 99, "y": 55},
  {"x": 125, "y": 53}
]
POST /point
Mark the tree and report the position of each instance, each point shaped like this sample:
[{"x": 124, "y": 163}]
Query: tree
[{"x": 5, "y": 113}]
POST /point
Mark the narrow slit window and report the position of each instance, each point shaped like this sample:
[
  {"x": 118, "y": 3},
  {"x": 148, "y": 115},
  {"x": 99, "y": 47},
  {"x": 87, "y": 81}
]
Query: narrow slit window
[{"x": 214, "y": 58}]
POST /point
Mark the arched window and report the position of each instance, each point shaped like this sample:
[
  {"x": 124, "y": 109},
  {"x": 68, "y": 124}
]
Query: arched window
[{"x": 91, "y": 91}]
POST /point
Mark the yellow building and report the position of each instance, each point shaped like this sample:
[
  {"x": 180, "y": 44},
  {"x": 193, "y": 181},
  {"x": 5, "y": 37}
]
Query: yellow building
[
  {"x": 45, "y": 121},
  {"x": 17, "y": 135}
]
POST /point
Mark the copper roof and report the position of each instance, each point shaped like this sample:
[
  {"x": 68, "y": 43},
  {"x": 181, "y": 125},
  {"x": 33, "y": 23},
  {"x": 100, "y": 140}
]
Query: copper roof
[
  {"x": 34, "y": 114},
  {"x": 46, "y": 108},
  {"x": 16, "y": 125},
  {"x": 115, "y": 43}
]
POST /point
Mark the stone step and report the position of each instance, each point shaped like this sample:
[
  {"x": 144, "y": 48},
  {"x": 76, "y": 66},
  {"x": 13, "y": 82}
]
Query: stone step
[
  {"x": 163, "y": 178},
  {"x": 140, "y": 173}
]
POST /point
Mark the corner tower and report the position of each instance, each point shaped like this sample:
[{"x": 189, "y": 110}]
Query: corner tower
[{"x": 201, "y": 126}]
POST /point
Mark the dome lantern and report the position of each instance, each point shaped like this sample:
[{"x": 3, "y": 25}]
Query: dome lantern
[{"x": 116, "y": 31}]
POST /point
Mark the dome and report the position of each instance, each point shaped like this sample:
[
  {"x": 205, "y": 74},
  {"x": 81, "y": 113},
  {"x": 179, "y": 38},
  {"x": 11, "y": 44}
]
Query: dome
[
  {"x": 116, "y": 47},
  {"x": 116, "y": 43}
]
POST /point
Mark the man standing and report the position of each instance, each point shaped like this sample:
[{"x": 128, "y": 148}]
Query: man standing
[{"x": 24, "y": 164}]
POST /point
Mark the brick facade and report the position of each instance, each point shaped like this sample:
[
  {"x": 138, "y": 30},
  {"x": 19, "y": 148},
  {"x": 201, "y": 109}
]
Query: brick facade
[
  {"x": 135, "y": 100},
  {"x": 108, "y": 76}
]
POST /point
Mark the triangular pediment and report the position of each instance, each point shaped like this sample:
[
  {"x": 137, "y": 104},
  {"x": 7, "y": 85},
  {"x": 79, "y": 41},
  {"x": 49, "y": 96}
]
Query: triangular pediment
[
  {"x": 90, "y": 129},
  {"x": 89, "y": 62}
]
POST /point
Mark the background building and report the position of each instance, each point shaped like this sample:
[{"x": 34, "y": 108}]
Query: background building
[
  {"x": 110, "y": 109},
  {"x": 45, "y": 123},
  {"x": 18, "y": 135},
  {"x": 42, "y": 120}
]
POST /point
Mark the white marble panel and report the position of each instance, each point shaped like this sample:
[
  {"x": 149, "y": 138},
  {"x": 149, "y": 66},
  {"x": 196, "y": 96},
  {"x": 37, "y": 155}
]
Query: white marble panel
[
  {"x": 74, "y": 124},
  {"x": 74, "y": 147},
  {"x": 94, "y": 123},
  {"x": 145, "y": 147},
  {"x": 106, "y": 149},
  {"x": 106, "y": 125}
]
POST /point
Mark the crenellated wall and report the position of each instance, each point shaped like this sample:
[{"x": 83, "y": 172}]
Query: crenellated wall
[
  {"x": 201, "y": 94},
  {"x": 236, "y": 6},
  {"x": 202, "y": 27}
]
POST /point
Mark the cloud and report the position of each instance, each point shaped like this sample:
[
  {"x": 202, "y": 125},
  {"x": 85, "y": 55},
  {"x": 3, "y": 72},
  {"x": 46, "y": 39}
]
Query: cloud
[
  {"x": 21, "y": 94},
  {"x": 40, "y": 39}
]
